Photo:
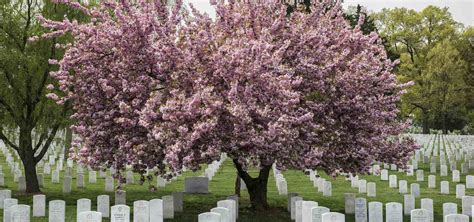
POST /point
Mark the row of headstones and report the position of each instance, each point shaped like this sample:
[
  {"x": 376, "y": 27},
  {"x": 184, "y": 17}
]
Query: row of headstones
[
  {"x": 323, "y": 186},
  {"x": 226, "y": 211},
  {"x": 154, "y": 209},
  {"x": 409, "y": 204},
  {"x": 453, "y": 151},
  {"x": 212, "y": 168},
  {"x": 80, "y": 180},
  {"x": 280, "y": 181},
  {"x": 402, "y": 185},
  {"x": 308, "y": 211},
  {"x": 200, "y": 184}
]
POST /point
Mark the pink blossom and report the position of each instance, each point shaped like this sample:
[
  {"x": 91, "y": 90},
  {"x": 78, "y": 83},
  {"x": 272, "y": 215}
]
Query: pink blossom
[{"x": 305, "y": 91}]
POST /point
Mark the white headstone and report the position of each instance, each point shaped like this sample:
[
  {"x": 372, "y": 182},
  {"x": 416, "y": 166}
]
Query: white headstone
[
  {"x": 209, "y": 217},
  {"x": 317, "y": 213},
  {"x": 168, "y": 207},
  {"x": 360, "y": 210},
  {"x": 456, "y": 176},
  {"x": 362, "y": 186},
  {"x": 408, "y": 203},
  {"x": 467, "y": 202},
  {"x": 444, "y": 171},
  {"x": 415, "y": 189},
  {"x": 89, "y": 216},
  {"x": 156, "y": 210},
  {"x": 333, "y": 217},
  {"x": 223, "y": 212},
  {"x": 392, "y": 181},
  {"x": 55, "y": 176},
  {"x": 103, "y": 205},
  {"x": 109, "y": 184},
  {"x": 460, "y": 191},
  {"x": 20, "y": 213},
  {"x": 470, "y": 182},
  {"x": 141, "y": 211},
  {"x": 39, "y": 205},
  {"x": 375, "y": 212},
  {"x": 22, "y": 184},
  {"x": 120, "y": 213},
  {"x": 394, "y": 212},
  {"x": 371, "y": 189},
  {"x": 384, "y": 175},
  {"x": 444, "y": 187},
  {"x": 129, "y": 177},
  {"x": 299, "y": 211},
  {"x": 120, "y": 197},
  {"x": 432, "y": 181},
  {"x": 349, "y": 203},
  {"x": 92, "y": 176},
  {"x": 160, "y": 182},
  {"x": 306, "y": 210},
  {"x": 327, "y": 189},
  {"x": 420, "y": 175},
  {"x": 80, "y": 181},
  {"x": 456, "y": 218},
  {"x": 293, "y": 206},
  {"x": 229, "y": 204},
  {"x": 4, "y": 194},
  {"x": 449, "y": 208},
  {"x": 420, "y": 215},
  {"x": 83, "y": 205},
  {"x": 57, "y": 211},
  {"x": 7, "y": 205},
  {"x": 67, "y": 184},
  {"x": 402, "y": 186},
  {"x": 427, "y": 204}
]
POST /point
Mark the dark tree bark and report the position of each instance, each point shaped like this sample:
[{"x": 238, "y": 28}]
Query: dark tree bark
[
  {"x": 32, "y": 185},
  {"x": 256, "y": 187},
  {"x": 27, "y": 157},
  {"x": 67, "y": 143},
  {"x": 237, "y": 185},
  {"x": 425, "y": 121}
]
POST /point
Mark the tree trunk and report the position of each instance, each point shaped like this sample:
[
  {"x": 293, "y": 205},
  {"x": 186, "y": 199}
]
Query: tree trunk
[
  {"x": 32, "y": 185},
  {"x": 256, "y": 187},
  {"x": 425, "y": 122},
  {"x": 27, "y": 156},
  {"x": 237, "y": 185},
  {"x": 445, "y": 130},
  {"x": 67, "y": 143}
]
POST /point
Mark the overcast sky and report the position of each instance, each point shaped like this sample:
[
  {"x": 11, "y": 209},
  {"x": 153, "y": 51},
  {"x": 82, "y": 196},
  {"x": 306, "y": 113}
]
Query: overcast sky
[{"x": 462, "y": 10}]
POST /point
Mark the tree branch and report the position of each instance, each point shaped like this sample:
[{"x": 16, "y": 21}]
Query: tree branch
[
  {"x": 66, "y": 108},
  {"x": 27, "y": 24},
  {"x": 44, "y": 78},
  {"x": 7, "y": 141},
  {"x": 9, "y": 109},
  {"x": 9, "y": 78},
  {"x": 242, "y": 173},
  {"x": 40, "y": 141}
]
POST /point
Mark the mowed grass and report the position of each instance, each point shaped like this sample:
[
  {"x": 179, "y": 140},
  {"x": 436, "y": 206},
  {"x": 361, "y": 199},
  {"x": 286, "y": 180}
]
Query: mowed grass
[{"x": 222, "y": 186}]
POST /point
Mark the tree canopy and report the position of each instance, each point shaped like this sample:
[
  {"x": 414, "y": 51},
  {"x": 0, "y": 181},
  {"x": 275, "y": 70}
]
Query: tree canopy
[
  {"x": 425, "y": 41},
  {"x": 157, "y": 88}
]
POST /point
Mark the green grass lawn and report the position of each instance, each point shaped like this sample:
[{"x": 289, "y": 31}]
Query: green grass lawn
[{"x": 222, "y": 186}]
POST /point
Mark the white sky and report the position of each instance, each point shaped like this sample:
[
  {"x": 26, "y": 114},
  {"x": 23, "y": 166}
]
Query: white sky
[{"x": 462, "y": 10}]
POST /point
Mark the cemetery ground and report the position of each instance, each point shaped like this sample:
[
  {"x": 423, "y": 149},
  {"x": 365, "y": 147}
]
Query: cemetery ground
[{"x": 222, "y": 185}]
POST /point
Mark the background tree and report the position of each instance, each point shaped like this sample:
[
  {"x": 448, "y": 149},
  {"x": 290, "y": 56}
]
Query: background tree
[
  {"x": 24, "y": 76},
  {"x": 414, "y": 35},
  {"x": 446, "y": 69},
  {"x": 164, "y": 90},
  {"x": 465, "y": 46}
]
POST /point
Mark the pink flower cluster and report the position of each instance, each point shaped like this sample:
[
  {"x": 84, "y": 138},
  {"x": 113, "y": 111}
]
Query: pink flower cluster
[{"x": 158, "y": 88}]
